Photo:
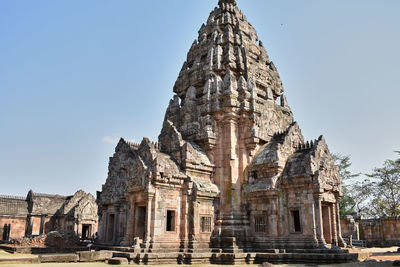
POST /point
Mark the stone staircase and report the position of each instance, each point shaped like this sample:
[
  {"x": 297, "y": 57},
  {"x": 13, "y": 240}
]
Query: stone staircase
[{"x": 293, "y": 256}]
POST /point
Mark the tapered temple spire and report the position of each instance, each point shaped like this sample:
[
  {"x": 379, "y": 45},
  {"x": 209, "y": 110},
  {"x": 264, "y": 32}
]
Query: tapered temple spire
[
  {"x": 220, "y": 2},
  {"x": 232, "y": 172}
]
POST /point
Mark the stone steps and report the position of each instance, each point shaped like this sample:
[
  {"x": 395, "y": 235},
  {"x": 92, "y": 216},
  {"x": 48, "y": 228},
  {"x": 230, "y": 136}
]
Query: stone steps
[
  {"x": 301, "y": 256},
  {"x": 316, "y": 256}
]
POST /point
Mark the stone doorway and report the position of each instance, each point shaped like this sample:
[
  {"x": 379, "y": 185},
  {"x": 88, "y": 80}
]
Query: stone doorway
[
  {"x": 86, "y": 231},
  {"x": 327, "y": 222},
  {"x": 6, "y": 232},
  {"x": 140, "y": 222}
]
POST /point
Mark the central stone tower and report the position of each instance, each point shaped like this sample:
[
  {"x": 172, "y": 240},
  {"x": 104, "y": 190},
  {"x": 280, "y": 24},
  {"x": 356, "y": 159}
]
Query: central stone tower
[
  {"x": 231, "y": 171},
  {"x": 228, "y": 101}
]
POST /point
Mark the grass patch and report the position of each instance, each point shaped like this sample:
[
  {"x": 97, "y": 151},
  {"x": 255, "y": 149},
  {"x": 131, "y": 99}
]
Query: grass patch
[{"x": 6, "y": 255}]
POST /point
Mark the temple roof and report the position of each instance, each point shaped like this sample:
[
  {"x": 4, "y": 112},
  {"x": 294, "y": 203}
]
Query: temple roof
[
  {"x": 220, "y": 2},
  {"x": 227, "y": 68}
]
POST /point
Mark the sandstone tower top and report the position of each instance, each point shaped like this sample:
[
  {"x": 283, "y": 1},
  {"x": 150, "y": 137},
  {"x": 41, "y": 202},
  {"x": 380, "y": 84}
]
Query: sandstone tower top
[
  {"x": 227, "y": 73},
  {"x": 220, "y": 2}
]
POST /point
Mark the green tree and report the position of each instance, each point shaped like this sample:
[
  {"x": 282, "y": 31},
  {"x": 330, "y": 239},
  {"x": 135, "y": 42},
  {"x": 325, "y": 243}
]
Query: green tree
[
  {"x": 385, "y": 182},
  {"x": 348, "y": 203},
  {"x": 361, "y": 192}
]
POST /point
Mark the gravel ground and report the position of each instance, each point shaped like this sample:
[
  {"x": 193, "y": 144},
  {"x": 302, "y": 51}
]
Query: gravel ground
[{"x": 360, "y": 264}]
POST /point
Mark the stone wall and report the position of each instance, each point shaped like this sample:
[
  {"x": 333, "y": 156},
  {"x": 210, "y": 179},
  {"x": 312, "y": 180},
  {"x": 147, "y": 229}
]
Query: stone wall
[
  {"x": 376, "y": 232},
  {"x": 13, "y": 205},
  {"x": 381, "y": 232},
  {"x": 18, "y": 226},
  {"x": 13, "y": 212}
]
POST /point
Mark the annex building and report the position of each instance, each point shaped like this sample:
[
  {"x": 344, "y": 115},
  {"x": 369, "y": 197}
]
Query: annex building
[
  {"x": 231, "y": 171},
  {"x": 38, "y": 214}
]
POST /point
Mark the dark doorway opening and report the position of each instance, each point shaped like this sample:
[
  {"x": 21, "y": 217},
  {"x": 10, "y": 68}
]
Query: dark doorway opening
[
  {"x": 296, "y": 221},
  {"x": 327, "y": 223},
  {"x": 140, "y": 222},
  {"x": 86, "y": 231},
  {"x": 170, "y": 227},
  {"x": 6, "y": 232}
]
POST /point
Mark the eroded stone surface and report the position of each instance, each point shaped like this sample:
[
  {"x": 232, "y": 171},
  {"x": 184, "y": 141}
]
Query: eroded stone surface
[
  {"x": 118, "y": 261},
  {"x": 46, "y": 258}
]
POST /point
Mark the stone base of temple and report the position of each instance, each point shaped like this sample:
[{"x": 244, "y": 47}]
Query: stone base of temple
[{"x": 318, "y": 256}]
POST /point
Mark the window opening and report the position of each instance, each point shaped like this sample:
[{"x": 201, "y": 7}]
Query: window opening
[
  {"x": 260, "y": 224},
  {"x": 205, "y": 224}
]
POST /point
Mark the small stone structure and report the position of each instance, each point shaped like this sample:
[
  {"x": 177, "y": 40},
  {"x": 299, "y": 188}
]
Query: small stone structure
[
  {"x": 39, "y": 214},
  {"x": 231, "y": 171}
]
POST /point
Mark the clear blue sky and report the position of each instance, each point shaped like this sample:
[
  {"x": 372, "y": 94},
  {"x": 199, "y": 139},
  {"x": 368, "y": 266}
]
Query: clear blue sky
[{"x": 77, "y": 75}]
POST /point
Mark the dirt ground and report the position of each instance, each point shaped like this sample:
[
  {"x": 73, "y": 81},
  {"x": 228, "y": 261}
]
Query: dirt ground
[{"x": 361, "y": 264}]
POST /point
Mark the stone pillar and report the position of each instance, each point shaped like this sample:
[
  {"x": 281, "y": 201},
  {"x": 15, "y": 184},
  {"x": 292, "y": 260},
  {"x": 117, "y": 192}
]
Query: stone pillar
[
  {"x": 334, "y": 226},
  {"x": 127, "y": 239},
  {"x": 194, "y": 231},
  {"x": 42, "y": 226},
  {"x": 135, "y": 222},
  {"x": 184, "y": 224},
  {"x": 116, "y": 223},
  {"x": 103, "y": 226},
  {"x": 329, "y": 224},
  {"x": 314, "y": 226},
  {"x": 79, "y": 228},
  {"x": 341, "y": 242},
  {"x": 29, "y": 224},
  {"x": 318, "y": 220},
  {"x": 148, "y": 232}
]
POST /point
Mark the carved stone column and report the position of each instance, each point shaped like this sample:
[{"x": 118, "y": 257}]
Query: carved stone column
[
  {"x": 103, "y": 225},
  {"x": 329, "y": 224},
  {"x": 314, "y": 227},
  {"x": 127, "y": 240},
  {"x": 184, "y": 221},
  {"x": 148, "y": 232},
  {"x": 318, "y": 220},
  {"x": 341, "y": 242},
  {"x": 116, "y": 223},
  {"x": 194, "y": 225},
  {"x": 334, "y": 226}
]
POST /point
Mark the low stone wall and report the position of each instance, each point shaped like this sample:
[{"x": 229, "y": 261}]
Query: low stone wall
[
  {"x": 376, "y": 232},
  {"x": 58, "y": 258},
  {"x": 381, "y": 232}
]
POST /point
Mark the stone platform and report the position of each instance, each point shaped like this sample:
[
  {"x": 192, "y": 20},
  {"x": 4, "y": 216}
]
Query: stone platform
[
  {"x": 35, "y": 250},
  {"x": 319, "y": 256}
]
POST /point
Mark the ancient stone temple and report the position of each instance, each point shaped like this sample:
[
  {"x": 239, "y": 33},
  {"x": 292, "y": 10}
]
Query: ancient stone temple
[
  {"x": 231, "y": 171},
  {"x": 38, "y": 214}
]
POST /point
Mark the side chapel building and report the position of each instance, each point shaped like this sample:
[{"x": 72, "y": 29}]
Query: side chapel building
[
  {"x": 231, "y": 169},
  {"x": 38, "y": 214}
]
